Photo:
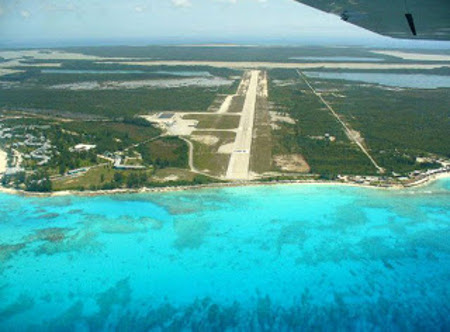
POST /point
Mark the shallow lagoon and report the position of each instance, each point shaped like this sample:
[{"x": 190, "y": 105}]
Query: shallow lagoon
[
  {"x": 182, "y": 73},
  {"x": 419, "y": 81},
  {"x": 272, "y": 257}
]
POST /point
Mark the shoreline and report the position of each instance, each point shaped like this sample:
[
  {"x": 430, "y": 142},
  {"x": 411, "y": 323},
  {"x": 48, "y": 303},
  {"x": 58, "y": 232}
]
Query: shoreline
[{"x": 416, "y": 184}]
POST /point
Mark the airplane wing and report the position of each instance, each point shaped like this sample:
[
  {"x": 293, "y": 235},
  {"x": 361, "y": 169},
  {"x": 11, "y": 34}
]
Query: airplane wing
[{"x": 411, "y": 19}]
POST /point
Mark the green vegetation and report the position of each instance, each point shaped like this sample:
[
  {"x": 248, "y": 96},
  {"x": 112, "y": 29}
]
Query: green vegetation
[
  {"x": 206, "y": 156},
  {"x": 237, "y": 104},
  {"x": 106, "y": 178},
  {"x": 262, "y": 145},
  {"x": 37, "y": 182},
  {"x": 406, "y": 119},
  {"x": 110, "y": 136},
  {"x": 95, "y": 178},
  {"x": 397, "y": 126},
  {"x": 209, "y": 161},
  {"x": 213, "y": 121},
  {"x": 165, "y": 152},
  {"x": 61, "y": 137},
  {"x": 270, "y": 53},
  {"x": 109, "y": 103},
  {"x": 36, "y": 85},
  {"x": 72, "y": 72},
  {"x": 306, "y": 137}
]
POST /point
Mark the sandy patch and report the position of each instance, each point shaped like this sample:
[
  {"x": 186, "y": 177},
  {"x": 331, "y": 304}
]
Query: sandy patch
[
  {"x": 17, "y": 158},
  {"x": 243, "y": 85},
  {"x": 321, "y": 138},
  {"x": 44, "y": 54},
  {"x": 281, "y": 117},
  {"x": 175, "y": 126},
  {"x": 284, "y": 82},
  {"x": 3, "y": 161},
  {"x": 263, "y": 87},
  {"x": 226, "y": 148},
  {"x": 415, "y": 56},
  {"x": 171, "y": 178},
  {"x": 292, "y": 163},
  {"x": 356, "y": 135},
  {"x": 159, "y": 84},
  {"x": 54, "y": 65},
  {"x": 4, "y": 71},
  {"x": 19, "y": 63},
  {"x": 205, "y": 139}
]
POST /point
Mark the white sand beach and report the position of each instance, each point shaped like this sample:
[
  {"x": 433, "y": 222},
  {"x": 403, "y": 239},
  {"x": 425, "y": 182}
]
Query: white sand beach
[
  {"x": 415, "y": 56},
  {"x": 3, "y": 161}
]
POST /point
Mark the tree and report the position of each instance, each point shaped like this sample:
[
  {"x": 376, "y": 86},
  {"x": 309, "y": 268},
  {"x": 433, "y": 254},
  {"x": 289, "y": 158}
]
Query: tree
[{"x": 118, "y": 178}]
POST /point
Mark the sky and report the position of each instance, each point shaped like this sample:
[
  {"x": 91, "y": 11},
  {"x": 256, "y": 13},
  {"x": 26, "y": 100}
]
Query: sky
[{"x": 78, "y": 22}]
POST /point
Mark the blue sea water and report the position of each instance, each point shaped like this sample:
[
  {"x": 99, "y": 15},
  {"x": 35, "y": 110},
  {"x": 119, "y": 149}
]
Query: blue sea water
[{"x": 269, "y": 258}]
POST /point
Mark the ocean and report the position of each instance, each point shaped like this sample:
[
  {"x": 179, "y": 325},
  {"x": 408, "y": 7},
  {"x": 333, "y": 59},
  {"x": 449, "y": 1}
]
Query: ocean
[{"x": 263, "y": 258}]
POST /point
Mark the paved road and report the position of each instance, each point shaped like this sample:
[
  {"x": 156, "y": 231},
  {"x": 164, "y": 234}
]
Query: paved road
[
  {"x": 191, "y": 160},
  {"x": 226, "y": 104},
  {"x": 238, "y": 168}
]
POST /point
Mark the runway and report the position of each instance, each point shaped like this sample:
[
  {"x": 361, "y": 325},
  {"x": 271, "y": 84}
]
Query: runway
[{"x": 238, "y": 167}]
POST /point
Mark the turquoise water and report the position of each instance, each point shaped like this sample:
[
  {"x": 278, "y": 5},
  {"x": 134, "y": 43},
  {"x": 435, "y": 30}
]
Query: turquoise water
[
  {"x": 419, "y": 81},
  {"x": 279, "y": 258}
]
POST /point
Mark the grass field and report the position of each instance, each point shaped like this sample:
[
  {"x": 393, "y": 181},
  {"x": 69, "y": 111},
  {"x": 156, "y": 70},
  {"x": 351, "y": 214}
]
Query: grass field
[
  {"x": 106, "y": 178},
  {"x": 237, "y": 104},
  {"x": 262, "y": 143},
  {"x": 95, "y": 178},
  {"x": 212, "y": 121},
  {"x": 206, "y": 156}
]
